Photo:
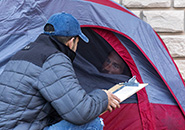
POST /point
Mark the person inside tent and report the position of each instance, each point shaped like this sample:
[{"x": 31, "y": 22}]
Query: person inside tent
[
  {"x": 89, "y": 61},
  {"x": 114, "y": 64},
  {"x": 39, "y": 82}
]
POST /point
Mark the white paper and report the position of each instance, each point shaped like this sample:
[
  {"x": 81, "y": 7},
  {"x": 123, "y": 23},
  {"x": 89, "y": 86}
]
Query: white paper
[{"x": 128, "y": 91}]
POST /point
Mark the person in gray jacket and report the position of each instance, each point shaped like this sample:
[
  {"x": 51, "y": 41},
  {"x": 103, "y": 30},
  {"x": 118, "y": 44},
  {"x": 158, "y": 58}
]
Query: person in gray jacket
[{"x": 39, "y": 88}]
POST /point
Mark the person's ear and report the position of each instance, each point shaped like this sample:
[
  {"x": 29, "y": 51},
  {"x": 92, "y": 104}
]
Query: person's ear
[{"x": 70, "y": 43}]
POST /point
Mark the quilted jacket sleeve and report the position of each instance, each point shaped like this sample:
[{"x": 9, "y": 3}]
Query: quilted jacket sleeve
[{"x": 59, "y": 86}]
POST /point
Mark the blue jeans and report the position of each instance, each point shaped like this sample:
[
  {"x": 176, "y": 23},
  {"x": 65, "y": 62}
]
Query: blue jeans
[{"x": 96, "y": 124}]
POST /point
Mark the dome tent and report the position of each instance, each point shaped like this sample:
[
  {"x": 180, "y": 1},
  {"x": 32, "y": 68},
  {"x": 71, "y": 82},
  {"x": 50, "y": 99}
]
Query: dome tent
[{"x": 160, "y": 105}]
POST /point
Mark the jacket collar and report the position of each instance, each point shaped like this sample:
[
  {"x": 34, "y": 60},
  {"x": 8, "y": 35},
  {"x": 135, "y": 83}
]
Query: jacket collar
[
  {"x": 63, "y": 48},
  {"x": 51, "y": 41}
]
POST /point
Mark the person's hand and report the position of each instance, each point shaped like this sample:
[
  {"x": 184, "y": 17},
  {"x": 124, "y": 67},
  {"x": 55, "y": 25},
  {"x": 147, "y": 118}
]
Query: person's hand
[{"x": 113, "y": 101}]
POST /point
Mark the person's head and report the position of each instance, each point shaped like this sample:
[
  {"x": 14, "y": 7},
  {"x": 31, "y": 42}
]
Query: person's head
[
  {"x": 113, "y": 64},
  {"x": 66, "y": 29}
]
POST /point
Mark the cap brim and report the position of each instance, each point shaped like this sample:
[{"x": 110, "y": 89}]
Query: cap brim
[{"x": 83, "y": 37}]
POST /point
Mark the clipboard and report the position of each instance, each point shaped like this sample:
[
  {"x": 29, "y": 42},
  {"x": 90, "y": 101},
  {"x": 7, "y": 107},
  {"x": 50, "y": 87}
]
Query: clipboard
[{"x": 123, "y": 92}]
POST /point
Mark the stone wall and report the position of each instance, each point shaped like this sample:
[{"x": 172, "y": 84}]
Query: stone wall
[{"x": 167, "y": 19}]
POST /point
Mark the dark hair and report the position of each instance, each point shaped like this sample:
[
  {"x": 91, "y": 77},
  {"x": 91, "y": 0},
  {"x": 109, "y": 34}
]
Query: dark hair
[
  {"x": 63, "y": 39},
  {"x": 49, "y": 28}
]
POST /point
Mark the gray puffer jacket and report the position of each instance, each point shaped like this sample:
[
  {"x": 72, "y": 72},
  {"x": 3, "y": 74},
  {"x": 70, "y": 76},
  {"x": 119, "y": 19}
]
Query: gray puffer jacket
[{"x": 39, "y": 82}]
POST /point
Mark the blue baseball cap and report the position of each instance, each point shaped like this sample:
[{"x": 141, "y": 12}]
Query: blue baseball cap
[{"x": 65, "y": 25}]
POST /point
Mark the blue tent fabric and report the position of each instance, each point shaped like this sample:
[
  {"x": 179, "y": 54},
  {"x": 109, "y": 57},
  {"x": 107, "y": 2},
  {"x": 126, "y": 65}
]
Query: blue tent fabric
[
  {"x": 19, "y": 19},
  {"x": 157, "y": 85},
  {"x": 22, "y": 21}
]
